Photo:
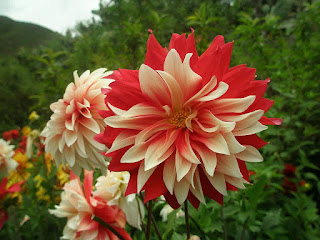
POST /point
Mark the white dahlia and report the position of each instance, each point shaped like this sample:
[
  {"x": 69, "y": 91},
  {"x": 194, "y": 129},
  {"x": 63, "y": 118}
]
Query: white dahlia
[
  {"x": 75, "y": 121},
  {"x": 7, "y": 163}
]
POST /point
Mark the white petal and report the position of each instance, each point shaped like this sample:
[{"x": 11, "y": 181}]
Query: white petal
[
  {"x": 233, "y": 145},
  {"x": 217, "y": 143},
  {"x": 143, "y": 176},
  {"x": 204, "y": 91},
  {"x": 71, "y": 137},
  {"x": 228, "y": 164},
  {"x": 181, "y": 190},
  {"x": 218, "y": 182},
  {"x": 135, "y": 154},
  {"x": 124, "y": 139},
  {"x": 143, "y": 109},
  {"x": 197, "y": 189},
  {"x": 174, "y": 89},
  {"x": 169, "y": 174},
  {"x": 182, "y": 72},
  {"x": 237, "y": 182},
  {"x": 222, "y": 89},
  {"x": 153, "y": 85},
  {"x": 208, "y": 158},
  {"x": 182, "y": 166},
  {"x": 231, "y": 105},
  {"x": 258, "y": 127},
  {"x": 149, "y": 131},
  {"x": 250, "y": 154}
]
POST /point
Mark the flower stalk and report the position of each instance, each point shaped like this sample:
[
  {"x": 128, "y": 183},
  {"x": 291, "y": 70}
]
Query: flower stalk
[
  {"x": 149, "y": 208},
  {"x": 186, "y": 214},
  {"x": 106, "y": 225}
]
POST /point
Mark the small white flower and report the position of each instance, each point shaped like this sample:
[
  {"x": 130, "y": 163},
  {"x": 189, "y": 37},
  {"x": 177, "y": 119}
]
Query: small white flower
[{"x": 7, "y": 163}]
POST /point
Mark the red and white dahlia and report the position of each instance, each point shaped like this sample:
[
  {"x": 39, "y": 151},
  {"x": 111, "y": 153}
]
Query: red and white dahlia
[
  {"x": 112, "y": 188},
  {"x": 75, "y": 121},
  {"x": 184, "y": 126},
  {"x": 78, "y": 206}
]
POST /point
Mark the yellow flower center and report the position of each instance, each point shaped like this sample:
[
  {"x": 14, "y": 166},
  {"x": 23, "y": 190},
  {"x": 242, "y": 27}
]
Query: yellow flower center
[{"x": 179, "y": 118}]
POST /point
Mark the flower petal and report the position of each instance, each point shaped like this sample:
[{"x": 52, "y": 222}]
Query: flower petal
[{"x": 250, "y": 154}]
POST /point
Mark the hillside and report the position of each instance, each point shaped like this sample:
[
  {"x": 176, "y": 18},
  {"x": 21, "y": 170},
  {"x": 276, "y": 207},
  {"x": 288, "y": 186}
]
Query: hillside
[{"x": 14, "y": 35}]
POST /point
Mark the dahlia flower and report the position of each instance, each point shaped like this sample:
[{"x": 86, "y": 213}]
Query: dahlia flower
[
  {"x": 79, "y": 206},
  {"x": 7, "y": 163},
  {"x": 75, "y": 121},
  {"x": 111, "y": 188},
  {"x": 186, "y": 125}
]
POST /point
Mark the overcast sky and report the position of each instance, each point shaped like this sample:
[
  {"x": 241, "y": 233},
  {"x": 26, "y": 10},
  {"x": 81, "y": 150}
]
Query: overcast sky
[{"x": 57, "y": 15}]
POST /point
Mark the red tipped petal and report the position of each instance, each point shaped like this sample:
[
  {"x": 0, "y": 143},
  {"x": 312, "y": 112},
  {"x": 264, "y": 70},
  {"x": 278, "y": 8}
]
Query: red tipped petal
[
  {"x": 87, "y": 184},
  {"x": 270, "y": 121}
]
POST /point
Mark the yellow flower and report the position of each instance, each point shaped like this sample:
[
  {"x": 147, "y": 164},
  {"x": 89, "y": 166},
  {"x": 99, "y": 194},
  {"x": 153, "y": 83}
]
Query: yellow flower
[
  {"x": 26, "y": 130},
  {"x": 48, "y": 162},
  {"x": 22, "y": 160},
  {"x": 39, "y": 180},
  {"x": 18, "y": 176},
  {"x": 41, "y": 195},
  {"x": 62, "y": 175},
  {"x": 33, "y": 116}
]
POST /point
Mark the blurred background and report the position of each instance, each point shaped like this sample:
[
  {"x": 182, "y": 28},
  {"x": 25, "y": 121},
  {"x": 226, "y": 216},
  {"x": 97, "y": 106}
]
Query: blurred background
[{"x": 280, "y": 38}]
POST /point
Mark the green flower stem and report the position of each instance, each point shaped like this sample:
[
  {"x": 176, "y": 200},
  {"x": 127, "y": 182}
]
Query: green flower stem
[
  {"x": 156, "y": 227},
  {"x": 141, "y": 217},
  {"x": 186, "y": 214},
  {"x": 149, "y": 208},
  {"x": 225, "y": 234},
  {"x": 106, "y": 225}
]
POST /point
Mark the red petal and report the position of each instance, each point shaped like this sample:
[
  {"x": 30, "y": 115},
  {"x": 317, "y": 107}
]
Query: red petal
[
  {"x": 238, "y": 80},
  {"x": 270, "y": 121},
  {"x": 132, "y": 185},
  {"x": 226, "y": 56},
  {"x": 231, "y": 187},
  {"x": 243, "y": 169},
  {"x": 155, "y": 55},
  {"x": 253, "y": 140},
  {"x": 115, "y": 164},
  {"x": 208, "y": 189},
  {"x": 87, "y": 184},
  {"x": 105, "y": 113},
  {"x": 184, "y": 46},
  {"x": 73, "y": 175},
  {"x": 123, "y": 233},
  {"x": 126, "y": 84},
  {"x": 193, "y": 200},
  {"x": 218, "y": 41},
  {"x": 209, "y": 66},
  {"x": 171, "y": 200},
  {"x": 155, "y": 186}
]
